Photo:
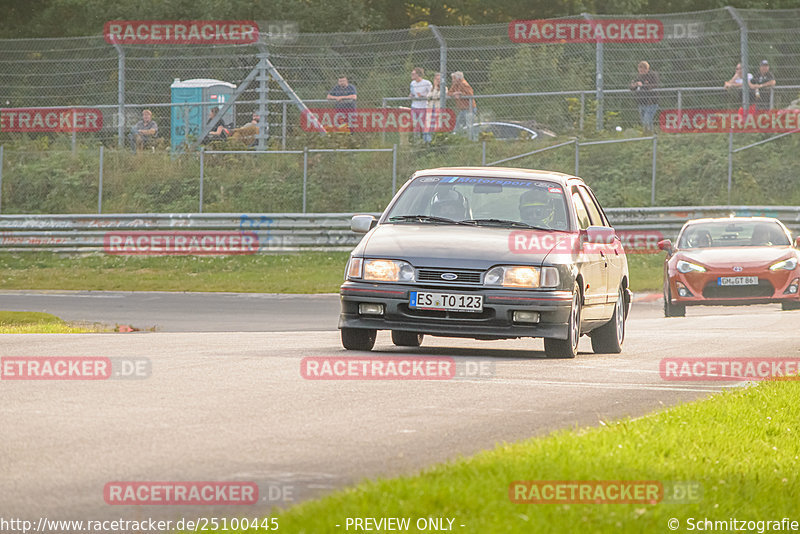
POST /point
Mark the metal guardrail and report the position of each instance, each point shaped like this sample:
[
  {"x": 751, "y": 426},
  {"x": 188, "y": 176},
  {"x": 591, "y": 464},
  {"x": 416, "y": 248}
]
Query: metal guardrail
[{"x": 287, "y": 232}]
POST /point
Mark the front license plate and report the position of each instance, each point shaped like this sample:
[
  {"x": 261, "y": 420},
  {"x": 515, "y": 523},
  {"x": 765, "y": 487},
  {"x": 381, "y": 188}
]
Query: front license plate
[
  {"x": 737, "y": 281},
  {"x": 446, "y": 301}
]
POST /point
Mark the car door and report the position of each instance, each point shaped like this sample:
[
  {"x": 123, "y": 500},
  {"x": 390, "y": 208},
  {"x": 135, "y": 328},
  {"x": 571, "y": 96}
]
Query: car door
[
  {"x": 612, "y": 248},
  {"x": 590, "y": 263}
]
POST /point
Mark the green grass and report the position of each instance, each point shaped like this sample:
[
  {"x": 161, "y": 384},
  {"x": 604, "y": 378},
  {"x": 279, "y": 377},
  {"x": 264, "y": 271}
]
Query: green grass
[
  {"x": 41, "y": 323},
  {"x": 307, "y": 272},
  {"x": 741, "y": 447},
  {"x": 647, "y": 271}
]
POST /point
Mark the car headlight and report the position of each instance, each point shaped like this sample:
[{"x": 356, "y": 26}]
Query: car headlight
[
  {"x": 685, "y": 267},
  {"x": 522, "y": 276},
  {"x": 788, "y": 264},
  {"x": 388, "y": 271}
]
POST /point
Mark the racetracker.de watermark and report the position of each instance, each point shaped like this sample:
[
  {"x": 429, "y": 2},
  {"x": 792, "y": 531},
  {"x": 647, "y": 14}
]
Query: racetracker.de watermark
[
  {"x": 586, "y": 31},
  {"x": 729, "y": 369},
  {"x": 203, "y": 493},
  {"x": 73, "y": 368},
  {"x": 378, "y": 120},
  {"x": 51, "y": 120},
  {"x": 180, "y": 32},
  {"x": 395, "y": 368},
  {"x": 180, "y": 242},
  {"x": 541, "y": 242},
  {"x": 604, "y": 492},
  {"x": 729, "y": 121}
]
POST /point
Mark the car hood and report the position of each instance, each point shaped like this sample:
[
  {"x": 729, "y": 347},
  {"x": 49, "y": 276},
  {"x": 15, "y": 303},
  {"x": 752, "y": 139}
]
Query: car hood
[
  {"x": 450, "y": 246},
  {"x": 728, "y": 257}
]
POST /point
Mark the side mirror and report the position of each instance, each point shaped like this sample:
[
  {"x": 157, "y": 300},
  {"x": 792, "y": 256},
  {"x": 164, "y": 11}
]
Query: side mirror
[
  {"x": 666, "y": 246},
  {"x": 797, "y": 241},
  {"x": 361, "y": 224}
]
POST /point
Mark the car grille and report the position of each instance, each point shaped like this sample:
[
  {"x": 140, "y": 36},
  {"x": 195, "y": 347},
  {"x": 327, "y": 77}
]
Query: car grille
[
  {"x": 714, "y": 291},
  {"x": 462, "y": 277}
]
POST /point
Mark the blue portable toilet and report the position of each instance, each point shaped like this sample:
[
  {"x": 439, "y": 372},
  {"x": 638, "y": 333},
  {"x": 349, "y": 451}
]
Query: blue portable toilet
[{"x": 188, "y": 120}]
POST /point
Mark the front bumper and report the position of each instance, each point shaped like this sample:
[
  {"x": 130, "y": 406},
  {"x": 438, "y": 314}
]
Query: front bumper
[
  {"x": 494, "y": 322},
  {"x": 772, "y": 287}
]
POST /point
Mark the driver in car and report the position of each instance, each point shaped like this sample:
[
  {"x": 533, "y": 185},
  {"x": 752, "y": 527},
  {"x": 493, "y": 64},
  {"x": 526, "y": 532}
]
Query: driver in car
[
  {"x": 450, "y": 204},
  {"x": 537, "y": 208}
]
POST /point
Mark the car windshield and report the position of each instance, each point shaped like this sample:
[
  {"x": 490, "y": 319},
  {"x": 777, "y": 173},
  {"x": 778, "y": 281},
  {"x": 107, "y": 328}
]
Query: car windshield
[
  {"x": 734, "y": 234},
  {"x": 499, "y": 202}
]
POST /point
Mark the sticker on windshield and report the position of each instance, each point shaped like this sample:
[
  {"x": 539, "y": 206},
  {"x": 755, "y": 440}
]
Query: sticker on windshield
[
  {"x": 554, "y": 190},
  {"x": 426, "y": 179}
]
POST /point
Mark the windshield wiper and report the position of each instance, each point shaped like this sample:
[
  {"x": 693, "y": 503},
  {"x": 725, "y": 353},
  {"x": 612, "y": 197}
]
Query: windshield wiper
[
  {"x": 425, "y": 219},
  {"x": 505, "y": 222}
]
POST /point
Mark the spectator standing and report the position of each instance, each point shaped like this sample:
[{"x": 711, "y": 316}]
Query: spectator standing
[
  {"x": 463, "y": 94},
  {"x": 735, "y": 85},
  {"x": 646, "y": 98},
  {"x": 343, "y": 94},
  {"x": 764, "y": 79},
  {"x": 420, "y": 89},
  {"x": 434, "y": 99},
  {"x": 144, "y": 132}
]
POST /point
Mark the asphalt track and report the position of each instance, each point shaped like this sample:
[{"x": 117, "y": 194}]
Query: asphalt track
[{"x": 231, "y": 405}]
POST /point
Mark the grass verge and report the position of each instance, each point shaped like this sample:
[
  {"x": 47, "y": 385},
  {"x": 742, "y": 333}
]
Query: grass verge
[
  {"x": 41, "y": 323},
  {"x": 741, "y": 446},
  {"x": 307, "y": 272}
]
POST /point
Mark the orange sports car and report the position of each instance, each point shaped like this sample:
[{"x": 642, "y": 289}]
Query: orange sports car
[{"x": 731, "y": 261}]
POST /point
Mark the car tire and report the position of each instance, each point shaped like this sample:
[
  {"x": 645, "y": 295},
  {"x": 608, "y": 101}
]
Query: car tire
[
  {"x": 673, "y": 310},
  {"x": 401, "y": 338},
  {"x": 786, "y": 306},
  {"x": 358, "y": 338},
  {"x": 608, "y": 338},
  {"x": 567, "y": 348}
]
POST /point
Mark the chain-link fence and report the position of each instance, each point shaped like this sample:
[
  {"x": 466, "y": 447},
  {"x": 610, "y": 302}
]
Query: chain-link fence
[
  {"x": 558, "y": 90},
  {"x": 585, "y": 85}
]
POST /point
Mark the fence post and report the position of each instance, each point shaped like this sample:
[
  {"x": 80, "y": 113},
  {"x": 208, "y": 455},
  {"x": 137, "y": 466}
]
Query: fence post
[
  {"x": 120, "y": 95},
  {"x": 263, "y": 102},
  {"x": 202, "y": 176},
  {"x": 730, "y": 165},
  {"x": 680, "y": 102},
  {"x": 743, "y": 50},
  {"x": 483, "y": 153},
  {"x": 577, "y": 156},
  {"x": 100, "y": 186},
  {"x": 442, "y": 65},
  {"x": 583, "y": 110},
  {"x": 653, "y": 184},
  {"x": 1, "y": 178},
  {"x": 305, "y": 176},
  {"x": 394, "y": 169},
  {"x": 598, "y": 80}
]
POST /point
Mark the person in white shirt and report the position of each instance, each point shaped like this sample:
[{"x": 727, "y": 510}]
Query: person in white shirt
[{"x": 420, "y": 89}]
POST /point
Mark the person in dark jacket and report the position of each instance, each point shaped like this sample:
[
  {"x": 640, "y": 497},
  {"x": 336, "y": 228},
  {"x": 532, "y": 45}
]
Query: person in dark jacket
[{"x": 647, "y": 99}]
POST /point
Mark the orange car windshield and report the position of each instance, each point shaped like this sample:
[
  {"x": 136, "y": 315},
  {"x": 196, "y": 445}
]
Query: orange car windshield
[{"x": 734, "y": 234}]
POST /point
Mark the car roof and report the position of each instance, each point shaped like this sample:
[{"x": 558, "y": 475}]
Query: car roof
[
  {"x": 500, "y": 172},
  {"x": 733, "y": 219}
]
